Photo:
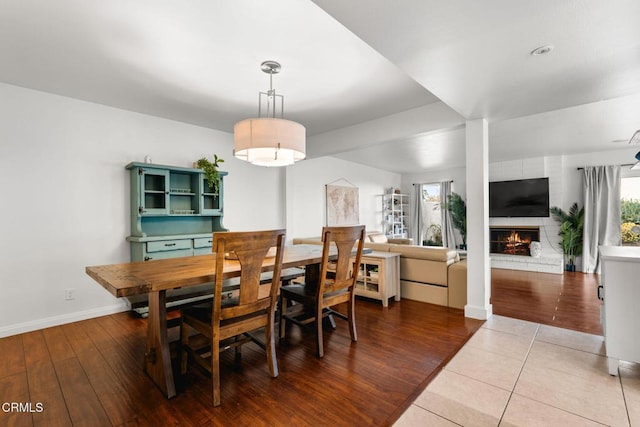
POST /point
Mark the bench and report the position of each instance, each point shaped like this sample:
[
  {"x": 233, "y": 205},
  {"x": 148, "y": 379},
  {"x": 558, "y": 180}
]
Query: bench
[{"x": 184, "y": 297}]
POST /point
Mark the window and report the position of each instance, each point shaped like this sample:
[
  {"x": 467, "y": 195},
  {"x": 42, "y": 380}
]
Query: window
[
  {"x": 630, "y": 211},
  {"x": 431, "y": 216}
]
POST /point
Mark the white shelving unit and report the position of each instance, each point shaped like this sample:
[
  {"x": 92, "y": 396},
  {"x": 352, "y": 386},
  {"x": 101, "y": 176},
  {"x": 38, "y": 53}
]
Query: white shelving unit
[{"x": 395, "y": 214}]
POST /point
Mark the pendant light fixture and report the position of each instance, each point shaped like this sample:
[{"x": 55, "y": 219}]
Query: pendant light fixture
[{"x": 269, "y": 140}]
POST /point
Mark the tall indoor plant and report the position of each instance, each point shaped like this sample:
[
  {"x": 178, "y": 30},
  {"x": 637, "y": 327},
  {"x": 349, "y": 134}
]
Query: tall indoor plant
[
  {"x": 458, "y": 210},
  {"x": 571, "y": 232}
]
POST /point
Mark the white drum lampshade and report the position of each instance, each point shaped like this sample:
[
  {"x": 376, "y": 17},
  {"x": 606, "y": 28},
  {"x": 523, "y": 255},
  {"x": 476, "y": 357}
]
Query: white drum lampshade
[{"x": 268, "y": 141}]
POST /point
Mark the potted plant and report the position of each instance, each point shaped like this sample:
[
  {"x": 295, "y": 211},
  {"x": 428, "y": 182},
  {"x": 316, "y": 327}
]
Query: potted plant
[
  {"x": 571, "y": 232},
  {"x": 210, "y": 170},
  {"x": 458, "y": 210},
  {"x": 434, "y": 233}
]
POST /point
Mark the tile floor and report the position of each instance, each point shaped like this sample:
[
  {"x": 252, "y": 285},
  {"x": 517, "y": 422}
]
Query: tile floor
[{"x": 518, "y": 373}]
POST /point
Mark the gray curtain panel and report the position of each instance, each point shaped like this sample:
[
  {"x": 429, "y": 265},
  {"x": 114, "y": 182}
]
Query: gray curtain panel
[
  {"x": 415, "y": 202},
  {"x": 448, "y": 235},
  {"x": 601, "y": 213}
]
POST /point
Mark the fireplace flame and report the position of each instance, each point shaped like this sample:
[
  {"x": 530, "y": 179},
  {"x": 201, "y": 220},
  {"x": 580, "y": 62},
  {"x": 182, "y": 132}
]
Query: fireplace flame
[
  {"x": 516, "y": 244},
  {"x": 515, "y": 238},
  {"x": 512, "y": 240}
]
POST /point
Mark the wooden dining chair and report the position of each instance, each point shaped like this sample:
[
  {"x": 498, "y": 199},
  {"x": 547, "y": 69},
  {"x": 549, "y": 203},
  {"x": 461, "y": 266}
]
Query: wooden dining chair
[
  {"x": 227, "y": 322},
  {"x": 334, "y": 285}
]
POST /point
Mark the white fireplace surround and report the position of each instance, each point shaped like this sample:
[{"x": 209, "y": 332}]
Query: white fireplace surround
[
  {"x": 546, "y": 263},
  {"x": 551, "y": 259}
]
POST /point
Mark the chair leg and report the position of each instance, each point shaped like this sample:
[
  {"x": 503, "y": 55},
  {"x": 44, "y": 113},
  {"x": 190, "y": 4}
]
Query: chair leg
[
  {"x": 238, "y": 349},
  {"x": 319, "y": 337},
  {"x": 351, "y": 312},
  {"x": 215, "y": 371},
  {"x": 270, "y": 348},
  {"x": 281, "y": 319}
]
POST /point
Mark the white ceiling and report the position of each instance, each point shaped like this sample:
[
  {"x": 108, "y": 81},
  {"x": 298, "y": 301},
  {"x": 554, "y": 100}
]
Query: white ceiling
[{"x": 350, "y": 74}]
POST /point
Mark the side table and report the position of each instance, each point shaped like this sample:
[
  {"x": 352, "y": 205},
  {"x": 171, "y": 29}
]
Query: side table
[{"x": 379, "y": 276}]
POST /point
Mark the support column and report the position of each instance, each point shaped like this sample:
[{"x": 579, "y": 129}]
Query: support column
[{"x": 478, "y": 262}]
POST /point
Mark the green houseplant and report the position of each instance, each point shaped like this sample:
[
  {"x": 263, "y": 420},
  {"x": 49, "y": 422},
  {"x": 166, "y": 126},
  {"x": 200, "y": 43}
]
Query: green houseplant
[
  {"x": 210, "y": 170},
  {"x": 458, "y": 210},
  {"x": 571, "y": 232}
]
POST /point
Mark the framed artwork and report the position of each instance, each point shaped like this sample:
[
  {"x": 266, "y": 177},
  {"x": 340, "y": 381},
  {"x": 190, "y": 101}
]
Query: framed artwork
[{"x": 342, "y": 205}]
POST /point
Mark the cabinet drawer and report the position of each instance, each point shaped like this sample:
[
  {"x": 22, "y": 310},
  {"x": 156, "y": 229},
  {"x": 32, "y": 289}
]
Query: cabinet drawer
[
  {"x": 203, "y": 242},
  {"x": 168, "y": 254},
  {"x": 168, "y": 245},
  {"x": 202, "y": 251}
]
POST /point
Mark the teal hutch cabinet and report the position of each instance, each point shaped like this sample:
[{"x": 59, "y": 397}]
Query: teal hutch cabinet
[{"x": 174, "y": 211}]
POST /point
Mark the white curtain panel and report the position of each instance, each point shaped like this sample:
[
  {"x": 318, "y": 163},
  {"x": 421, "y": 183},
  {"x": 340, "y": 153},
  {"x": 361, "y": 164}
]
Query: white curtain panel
[
  {"x": 415, "y": 203},
  {"x": 601, "y": 213},
  {"x": 448, "y": 235}
]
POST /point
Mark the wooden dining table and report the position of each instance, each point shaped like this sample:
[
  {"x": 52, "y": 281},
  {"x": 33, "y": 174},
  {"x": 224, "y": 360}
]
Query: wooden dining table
[{"x": 157, "y": 276}]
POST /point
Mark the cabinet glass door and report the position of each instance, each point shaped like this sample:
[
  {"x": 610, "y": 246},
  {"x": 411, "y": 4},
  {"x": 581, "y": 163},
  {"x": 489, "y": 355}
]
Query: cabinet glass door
[
  {"x": 154, "y": 193},
  {"x": 182, "y": 191},
  {"x": 368, "y": 277},
  {"x": 211, "y": 199}
]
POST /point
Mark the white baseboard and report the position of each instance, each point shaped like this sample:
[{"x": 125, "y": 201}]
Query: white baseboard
[
  {"x": 481, "y": 313},
  {"x": 34, "y": 325}
]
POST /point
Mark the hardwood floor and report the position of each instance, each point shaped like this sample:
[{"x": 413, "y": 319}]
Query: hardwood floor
[
  {"x": 90, "y": 372},
  {"x": 564, "y": 300}
]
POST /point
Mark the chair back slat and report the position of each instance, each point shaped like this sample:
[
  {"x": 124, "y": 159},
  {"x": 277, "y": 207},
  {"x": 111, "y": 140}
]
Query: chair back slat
[
  {"x": 340, "y": 274},
  {"x": 251, "y": 250}
]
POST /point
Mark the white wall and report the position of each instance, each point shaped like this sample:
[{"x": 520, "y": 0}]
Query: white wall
[
  {"x": 565, "y": 183},
  {"x": 306, "y": 208},
  {"x": 65, "y": 198},
  {"x": 457, "y": 175},
  {"x": 538, "y": 167},
  {"x": 573, "y": 177},
  {"x": 65, "y": 195}
]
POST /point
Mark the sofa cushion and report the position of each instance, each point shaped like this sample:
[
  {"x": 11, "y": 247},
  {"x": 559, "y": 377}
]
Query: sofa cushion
[
  {"x": 426, "y": 293},
  {"x": 458, "y": 284},
  {"x": 380, "y": 247},
  {"x": 377, "y": 238},
  {"x": 423, "y": 270},
  {"x": 307, "y": 241},
  {"x": 433, "y": 253},
  {"x": 400, "y": 240}
]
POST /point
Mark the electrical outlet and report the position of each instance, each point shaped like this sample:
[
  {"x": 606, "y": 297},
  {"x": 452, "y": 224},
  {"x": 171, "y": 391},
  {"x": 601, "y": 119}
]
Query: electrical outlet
[{"x": 69, "y": 294}]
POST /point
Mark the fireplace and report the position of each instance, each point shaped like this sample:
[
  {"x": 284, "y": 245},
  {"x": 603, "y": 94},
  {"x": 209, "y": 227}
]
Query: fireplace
[{"x": 512, "y": 240}]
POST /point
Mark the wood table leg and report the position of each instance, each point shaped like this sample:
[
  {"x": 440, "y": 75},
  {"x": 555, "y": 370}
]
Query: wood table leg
[{"x": 157, "y": 357}]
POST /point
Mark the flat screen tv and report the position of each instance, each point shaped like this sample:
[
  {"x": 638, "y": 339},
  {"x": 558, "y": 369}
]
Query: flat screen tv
[{"x": 519, "y": 198}]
